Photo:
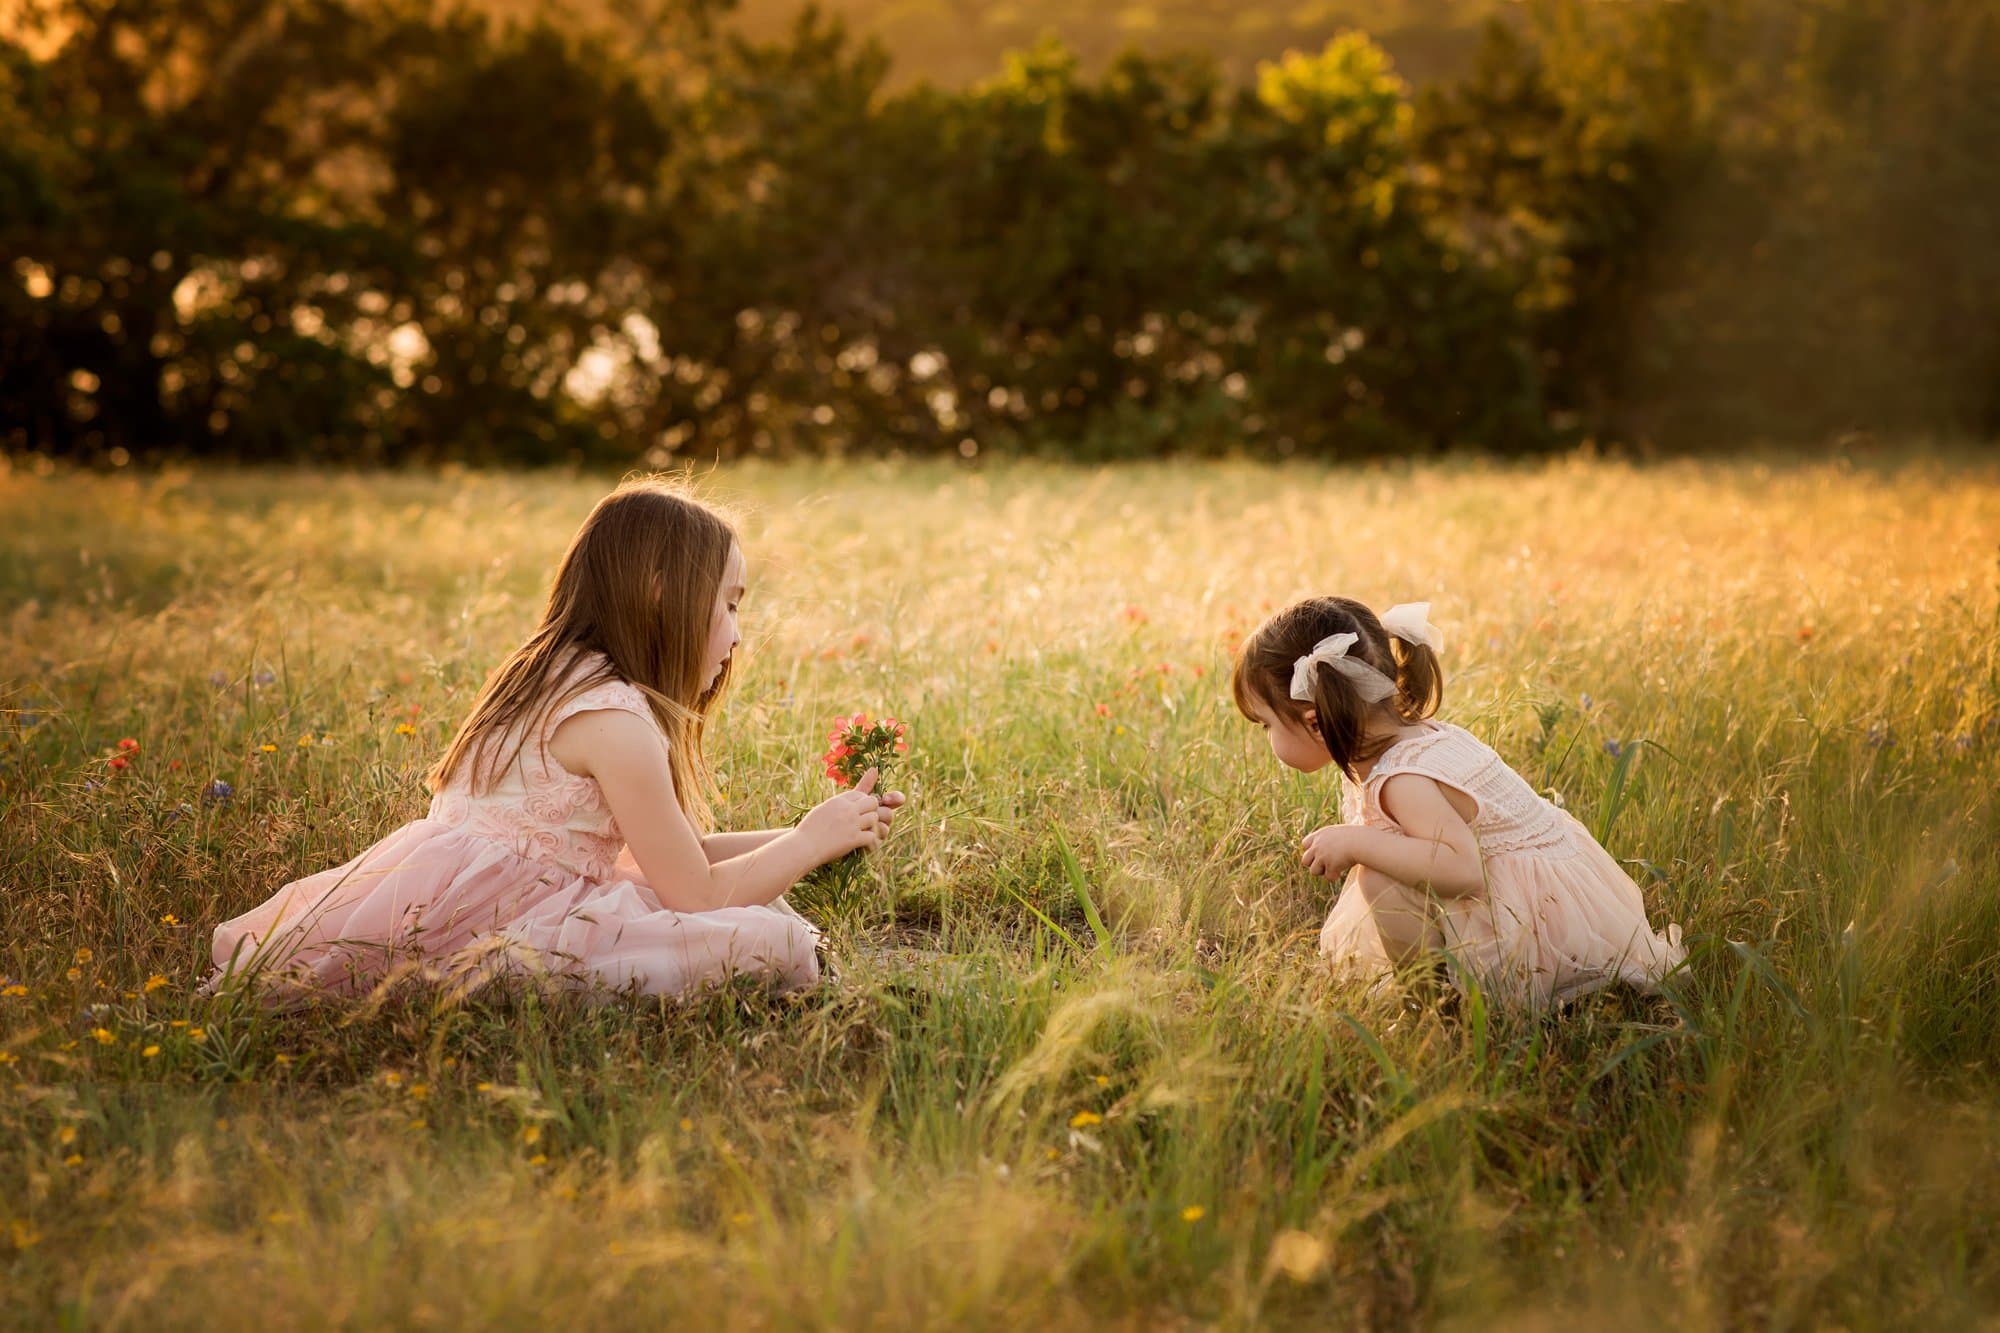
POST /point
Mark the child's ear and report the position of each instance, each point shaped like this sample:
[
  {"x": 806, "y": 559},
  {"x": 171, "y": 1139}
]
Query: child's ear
[{"x": 1312, "y": 719}]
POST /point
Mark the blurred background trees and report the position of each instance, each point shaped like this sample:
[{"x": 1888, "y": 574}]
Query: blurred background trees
[{"x": 388, "y": 230}]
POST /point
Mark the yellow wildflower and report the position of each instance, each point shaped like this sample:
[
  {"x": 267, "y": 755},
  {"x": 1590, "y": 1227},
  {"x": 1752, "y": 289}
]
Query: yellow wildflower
[
  {"x": 1194, "y": 1212},
  {"x": 15, "y": 991},
  {"x": 198, "y": 1034},
  {"x": 268, "y": 748},
  {"x": 405, "y": 729},
  {"x": 154, "y": 983},
  {"x": 8, "y": 1058},
  {"x": 1103, "y": 1082},
  {"x": 420, "y": 1090},
  {"x": 305, "y": 742},
  {"x": 74, "y": 1159},
  {"x": 66, "y": 1135},
  {"x": 686, "y": 1124},
  {"x": 531, "y": 1133},
  {"x": 170, "y": 920},
  {"x": 539, "y": 1159},
  {"x": 84, "y": 955},
  {"x": 150, "y": 1052},
  {"x": 74, "y": 974},
  {"x": 392, "y": 1079},
  {"x": 105, "y": 1036},
  {"x": 1085, "y": 1118}
]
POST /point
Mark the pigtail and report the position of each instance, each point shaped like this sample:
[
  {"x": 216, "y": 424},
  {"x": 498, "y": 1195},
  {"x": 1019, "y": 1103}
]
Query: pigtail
[
  {"x": 1419, "y": 679},
  {"x": 1341, "y": 715}
]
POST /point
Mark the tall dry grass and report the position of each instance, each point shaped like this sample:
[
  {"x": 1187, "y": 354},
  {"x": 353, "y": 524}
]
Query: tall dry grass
[{"x": 1081, "y": 1069}]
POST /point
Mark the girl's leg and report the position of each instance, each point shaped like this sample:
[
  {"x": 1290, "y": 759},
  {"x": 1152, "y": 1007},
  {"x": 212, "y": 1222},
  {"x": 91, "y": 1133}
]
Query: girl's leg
[{"x": 1402, "y": 915}]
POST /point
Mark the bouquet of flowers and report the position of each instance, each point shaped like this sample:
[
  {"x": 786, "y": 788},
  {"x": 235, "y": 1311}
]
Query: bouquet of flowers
[
  {"x": 859, "y": 743},
  {"x": 855, "y": 745}
]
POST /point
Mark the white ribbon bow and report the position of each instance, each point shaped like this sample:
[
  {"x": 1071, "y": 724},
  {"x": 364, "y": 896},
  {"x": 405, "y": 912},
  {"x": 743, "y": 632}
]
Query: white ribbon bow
[
  {"x": 1409, "y": 621},
  {"x": 1370, "y": 684}
]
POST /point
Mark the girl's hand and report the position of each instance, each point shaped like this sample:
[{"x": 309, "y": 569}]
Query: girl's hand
[
  {"x": 847, "y": 822},
  {"x": 1329, "y": 852}
]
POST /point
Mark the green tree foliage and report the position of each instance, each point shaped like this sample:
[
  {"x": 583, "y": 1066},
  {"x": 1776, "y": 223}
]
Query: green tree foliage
[
  {"x": 274, "y": 227},
  {"x": 1732, "y": 216},
  {"x": 380, "y": 229},
  {"x": 957, "y": 43}
]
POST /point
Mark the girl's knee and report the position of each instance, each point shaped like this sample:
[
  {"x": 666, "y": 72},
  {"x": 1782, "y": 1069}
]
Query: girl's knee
[
  {"x": 1379, "y": 890},
  {"x": 798, "y": 963},
  {"x": 1402, "y": 914}
]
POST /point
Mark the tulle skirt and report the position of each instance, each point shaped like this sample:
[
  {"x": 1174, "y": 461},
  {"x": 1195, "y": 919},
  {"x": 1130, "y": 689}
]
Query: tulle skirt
[
  {"x": 1553, "y": 924},
  {"x": 430, "y": 896}
]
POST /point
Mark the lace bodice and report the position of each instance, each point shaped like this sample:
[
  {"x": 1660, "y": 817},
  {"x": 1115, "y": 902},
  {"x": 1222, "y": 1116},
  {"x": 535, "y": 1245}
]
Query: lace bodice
[
  {"x": 539, "y": 808},
  {"x": 1512, "y": 816}
]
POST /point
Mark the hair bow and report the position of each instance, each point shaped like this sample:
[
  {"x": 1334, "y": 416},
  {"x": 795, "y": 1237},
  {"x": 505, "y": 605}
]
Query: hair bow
[
  {"x": 1411, "y": 622},
  {"x": 1331, "y": 651}
]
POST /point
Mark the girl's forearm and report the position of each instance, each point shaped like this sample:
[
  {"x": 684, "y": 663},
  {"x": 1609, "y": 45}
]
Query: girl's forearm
[
  {"x": 1451, "y": 871},
  {"x": 762, "y": 874},
  {"x": 726, "y": 846},
  {"x": 753, "y": 869}
]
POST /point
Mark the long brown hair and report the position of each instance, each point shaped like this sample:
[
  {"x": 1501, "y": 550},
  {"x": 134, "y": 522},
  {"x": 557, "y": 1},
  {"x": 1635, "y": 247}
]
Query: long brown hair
[
  {"x": 1264, "y": 675},
  {"x": 638, "y": 584}
]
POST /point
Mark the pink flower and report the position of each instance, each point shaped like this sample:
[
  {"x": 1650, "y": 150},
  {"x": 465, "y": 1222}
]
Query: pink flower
[{"x": 857, "y": 743}]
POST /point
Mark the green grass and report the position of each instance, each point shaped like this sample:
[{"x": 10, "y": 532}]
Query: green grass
[{"x": 1082, "y": 1069}]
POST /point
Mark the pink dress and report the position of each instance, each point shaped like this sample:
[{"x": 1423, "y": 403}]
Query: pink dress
[
  {"x": 1559, "y": 918},
  {"x": 524, "y": 877}
]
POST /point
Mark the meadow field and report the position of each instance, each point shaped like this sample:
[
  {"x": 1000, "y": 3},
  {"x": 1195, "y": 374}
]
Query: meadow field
[{"x": 1081, "y": 1068}]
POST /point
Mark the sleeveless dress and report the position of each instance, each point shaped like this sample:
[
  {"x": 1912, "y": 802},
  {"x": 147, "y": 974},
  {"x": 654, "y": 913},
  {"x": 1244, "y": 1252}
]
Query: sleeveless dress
[
  {"x": 525, "y": 877},
  {"x": 1559, "y": 918}
]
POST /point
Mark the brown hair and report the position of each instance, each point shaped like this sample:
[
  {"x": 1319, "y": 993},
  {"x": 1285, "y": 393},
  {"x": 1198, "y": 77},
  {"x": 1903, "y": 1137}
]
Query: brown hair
[
  {"x": 638, "y": 584},
  {"x": 1264, "y": 675}
]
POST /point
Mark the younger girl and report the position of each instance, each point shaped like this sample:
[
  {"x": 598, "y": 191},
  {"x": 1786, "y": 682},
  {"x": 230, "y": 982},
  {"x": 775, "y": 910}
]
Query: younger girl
[
  {"x": 1449, "y": 848},
  {"x": 565, "y": 835}
]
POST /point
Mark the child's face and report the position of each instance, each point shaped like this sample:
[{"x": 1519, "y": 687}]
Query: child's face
[
  {"x": 1297, "y": 744},
  {"x": 722, "y": 633}
]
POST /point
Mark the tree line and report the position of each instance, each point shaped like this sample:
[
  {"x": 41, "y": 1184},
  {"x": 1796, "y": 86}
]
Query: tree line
[{"x": 401, "y": 230}]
